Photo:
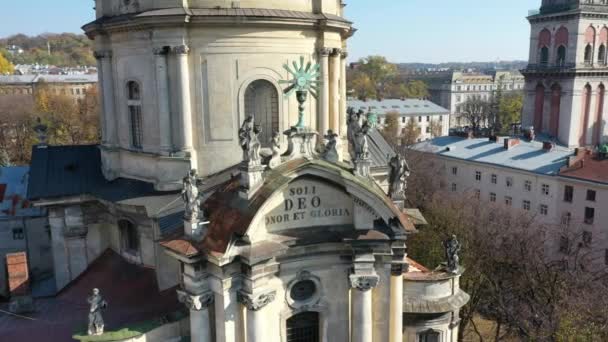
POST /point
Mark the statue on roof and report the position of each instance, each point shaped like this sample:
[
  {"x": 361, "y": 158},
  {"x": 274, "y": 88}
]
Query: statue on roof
[
  {"x": 331, "y": 151},
  {"x": 399, "y": 171},
  {"x": 249, "y": 140},
  {"x": 96, "y": 304},
  {"x": 192, "y": 196},
  {"x": 452, "y": 248},
  {"x": 361, "y": 142},
  {"x": 275, "y": 159}
]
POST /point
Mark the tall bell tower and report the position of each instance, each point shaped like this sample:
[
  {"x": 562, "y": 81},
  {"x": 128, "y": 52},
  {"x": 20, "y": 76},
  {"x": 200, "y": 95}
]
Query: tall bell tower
[{"x": 567, "y": 71}]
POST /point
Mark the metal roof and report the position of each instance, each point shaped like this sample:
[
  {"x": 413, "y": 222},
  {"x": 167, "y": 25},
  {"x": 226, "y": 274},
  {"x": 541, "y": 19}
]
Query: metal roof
[
  {"x": 170, "y": 223},
  {"x": 62, "y": 171},
  {"x": 527, "y": 156},
  {"x": 13, "y": 191},
  {"x": 379, "y": 150},
  {"x": 403, "y": 107},
  {"x": 29, "y": 79}
]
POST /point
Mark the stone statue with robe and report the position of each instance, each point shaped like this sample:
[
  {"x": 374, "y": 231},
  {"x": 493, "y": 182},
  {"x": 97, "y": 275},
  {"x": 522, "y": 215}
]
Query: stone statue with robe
[
  {"x": 399, "y": 171},
  {"x": 191, "y": 196},
  {"x": 96, "y": 304},
  {"x": 452, "y": 248},
  {"x": 249, "y": 140}
]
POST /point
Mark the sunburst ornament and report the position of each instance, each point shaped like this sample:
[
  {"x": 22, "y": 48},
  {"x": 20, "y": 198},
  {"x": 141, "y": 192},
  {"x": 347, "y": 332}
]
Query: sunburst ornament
[{"x": 305, "y": 79}]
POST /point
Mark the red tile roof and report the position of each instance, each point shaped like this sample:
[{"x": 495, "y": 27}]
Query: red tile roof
[
  {"x": 131, "y": 291},
  {"x": 587, "y": 167}
]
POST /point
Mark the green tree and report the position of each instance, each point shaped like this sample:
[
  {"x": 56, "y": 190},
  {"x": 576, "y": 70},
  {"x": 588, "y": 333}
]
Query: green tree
[
  {"x": 509, "y": 110},
  {"x": 6, "y": 67},
  {"x": 379, "y": 71},
  {"x": 363, "y": 86}
]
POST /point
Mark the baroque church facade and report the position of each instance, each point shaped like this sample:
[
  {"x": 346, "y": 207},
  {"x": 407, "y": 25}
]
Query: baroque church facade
[{"x": 255, "y": 205}]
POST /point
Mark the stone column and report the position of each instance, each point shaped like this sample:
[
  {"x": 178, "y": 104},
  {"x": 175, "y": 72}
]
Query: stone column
[
  {"x": 343, "y": 105},
  {"x": 255, "y": 315},
  {"x": 396, "y": 305},
  {"x": 162, "y": 98},
  {"x": 323, "y": 119},
  {"x": 184, "y": 141},
  {"x": 106, "y": 89},
  {"x": 334, "y": 91},
  {"x": 200, "y": 321},
  {"x": 361, "y": 293}
]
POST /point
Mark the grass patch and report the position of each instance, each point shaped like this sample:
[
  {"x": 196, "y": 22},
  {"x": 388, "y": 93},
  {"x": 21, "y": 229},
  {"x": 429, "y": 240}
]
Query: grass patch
[{"x": 130, "y": 330}]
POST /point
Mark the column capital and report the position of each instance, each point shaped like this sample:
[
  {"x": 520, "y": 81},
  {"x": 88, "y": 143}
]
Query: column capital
[
  {"x": 103, "y": 54},
  {"x": 336, "y": 52},
  {"x": 181, "y": 49},
  {"x": 324, "y": 52},
  {"x": 344, "y": 54},
  {"x": 256, "y": 302},
  {"x": 363, "y": 282},
  {"x": 195, "y": 302},
  {"x": 161, "y": 50}
]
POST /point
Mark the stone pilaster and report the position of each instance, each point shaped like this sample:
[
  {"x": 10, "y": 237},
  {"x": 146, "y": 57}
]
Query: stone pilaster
[
  {"x": 334, "y": 91},
  {"x": 106, "y": 80},
  {"x": 255, "y": 314},
  {"x": 200, "y": 321},
  {"x": 323, "y": 119},
  {"x": 343, "y": 107},
  {"x": 398, "y": 267},
  {"x": 184, "y": 141},
  {"x": 162, "y": 99}
]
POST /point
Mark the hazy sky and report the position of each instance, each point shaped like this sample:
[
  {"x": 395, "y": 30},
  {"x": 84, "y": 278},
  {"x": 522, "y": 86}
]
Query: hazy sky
[{"x": 402, "y": 30}]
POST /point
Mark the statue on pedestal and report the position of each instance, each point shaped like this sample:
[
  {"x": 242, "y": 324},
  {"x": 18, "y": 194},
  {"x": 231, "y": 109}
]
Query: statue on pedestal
[
  {"x": 249, "y": 140},
  {"x": 331, "y": 151},
  {"x": 192, "y": 196},
  {"x": 275, "y": 159},
  {"x": 399, "y": 171},
  {"x": 361, "y": 142},
  {"x": 452, "y": 248},
  {"x": 96, "y": 304}
]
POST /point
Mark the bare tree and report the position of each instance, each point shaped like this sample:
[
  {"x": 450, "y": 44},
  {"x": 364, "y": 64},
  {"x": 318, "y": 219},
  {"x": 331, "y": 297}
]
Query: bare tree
[{"x": 476, "y": 111}]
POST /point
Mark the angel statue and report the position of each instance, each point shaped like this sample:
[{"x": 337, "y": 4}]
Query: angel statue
[
  {"x": 96, "y": 304},
  {"x": 249, "y": 140},
  {"x": 191, "y": 196},
  {"x": 399, "y": 171},
  {"x": 331, "y": 152}
]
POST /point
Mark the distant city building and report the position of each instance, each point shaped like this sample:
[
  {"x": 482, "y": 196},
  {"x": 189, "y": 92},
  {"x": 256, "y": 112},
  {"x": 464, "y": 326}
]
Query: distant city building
[
  {"x": 560, "y": 186},
  {"x": 23, "y": 228},
  {"x": 453, "y": 88},
  {"x": 28, "y": 85},
  {"x": 423, "y": 112}
]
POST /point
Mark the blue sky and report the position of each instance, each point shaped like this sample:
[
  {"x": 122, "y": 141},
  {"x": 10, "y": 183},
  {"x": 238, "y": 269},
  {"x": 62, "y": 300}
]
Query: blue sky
[{"x": 402, "y": 30}]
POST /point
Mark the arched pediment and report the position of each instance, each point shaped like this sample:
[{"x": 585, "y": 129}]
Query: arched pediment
[{"x": 299, "y": 196}]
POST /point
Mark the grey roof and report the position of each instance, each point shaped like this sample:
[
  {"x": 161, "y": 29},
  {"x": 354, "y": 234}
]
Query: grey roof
[
  {"x": 63, "y": 171},
  {"x": 404, "y": 107},
  {"x": 171, "y": 223},
  {"x": 527, "y": 156},
  {"x": 379, "y": 150},
  {"x": 29, "y": 79}
]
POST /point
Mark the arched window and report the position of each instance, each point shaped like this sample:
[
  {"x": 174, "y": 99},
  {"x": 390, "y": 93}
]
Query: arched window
[
  {"x": 135, "y": 119},
  {"x": 429, "y": 336},
  {"x": 303, "y": 327},
  {"x": 588, "y": 54},
  {"x": 544, "y": 56},
  {"x": 262, "y": 102},
  {"x": 128, "y": 236},
  {"x": 601, "y": 55},
  {"x": 561, "y": 56}
]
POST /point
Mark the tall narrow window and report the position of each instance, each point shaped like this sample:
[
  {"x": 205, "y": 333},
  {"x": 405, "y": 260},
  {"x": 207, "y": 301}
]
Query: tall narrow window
[
  {"x": 262, "y": 102},
  {"x": 429, "y": 336},
  {"x": 544, "y": 56},
  {"x": 561, "y": 56},
  {"x": 601, "y": 55},
  {"x": 588, "y": 55},
  {"x": 135, "y": 119},
  {"x": 129, "y": 236},
  {"x": 303, "y": 327}
]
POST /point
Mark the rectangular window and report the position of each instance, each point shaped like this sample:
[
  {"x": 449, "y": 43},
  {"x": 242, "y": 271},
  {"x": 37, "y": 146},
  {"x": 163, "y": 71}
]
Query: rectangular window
[
  {"x": 591, "y": 195},
  {"x": 18, "y": 234},
  {"x": 478, "y": 194},
  {"x": 589, "y": 215},
  {"x": 440, "y": 118},
  {"x": 454, "y": 188},
  {"x": 508, "y": 201},
  {"x": 454, "y": 170},
  {"x": 545, "y": 189},
  {"x": 494, "y": 179},
  {"x": 528, "y": 185},
  {"x": 509, "y": 182},
  {"x": 568, "y": 193},
  {"x": 428, "y": 129},
  {"x": 526, "y": 205},
  {"x": 544, "y": 210},
  {"x": 492, "y": 197},
  {"x": 136, "y": 129},
  {"x": 428, "y": 119},
  {"x": 403, "y": 119},
  {"x": 478, "y": 176},
  {"x": 420, "y": 119}
]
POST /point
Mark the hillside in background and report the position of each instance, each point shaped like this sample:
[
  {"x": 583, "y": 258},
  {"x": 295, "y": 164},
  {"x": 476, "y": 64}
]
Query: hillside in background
[
  {"x": 66, "y": 49},
  {"x": 479, "y": 66}
]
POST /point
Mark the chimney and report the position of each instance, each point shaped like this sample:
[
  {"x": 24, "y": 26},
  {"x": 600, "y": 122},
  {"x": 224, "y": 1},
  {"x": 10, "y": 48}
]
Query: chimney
[
  {"x": 548, "y": 146},
  {"x": 510, "y": 143}
]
